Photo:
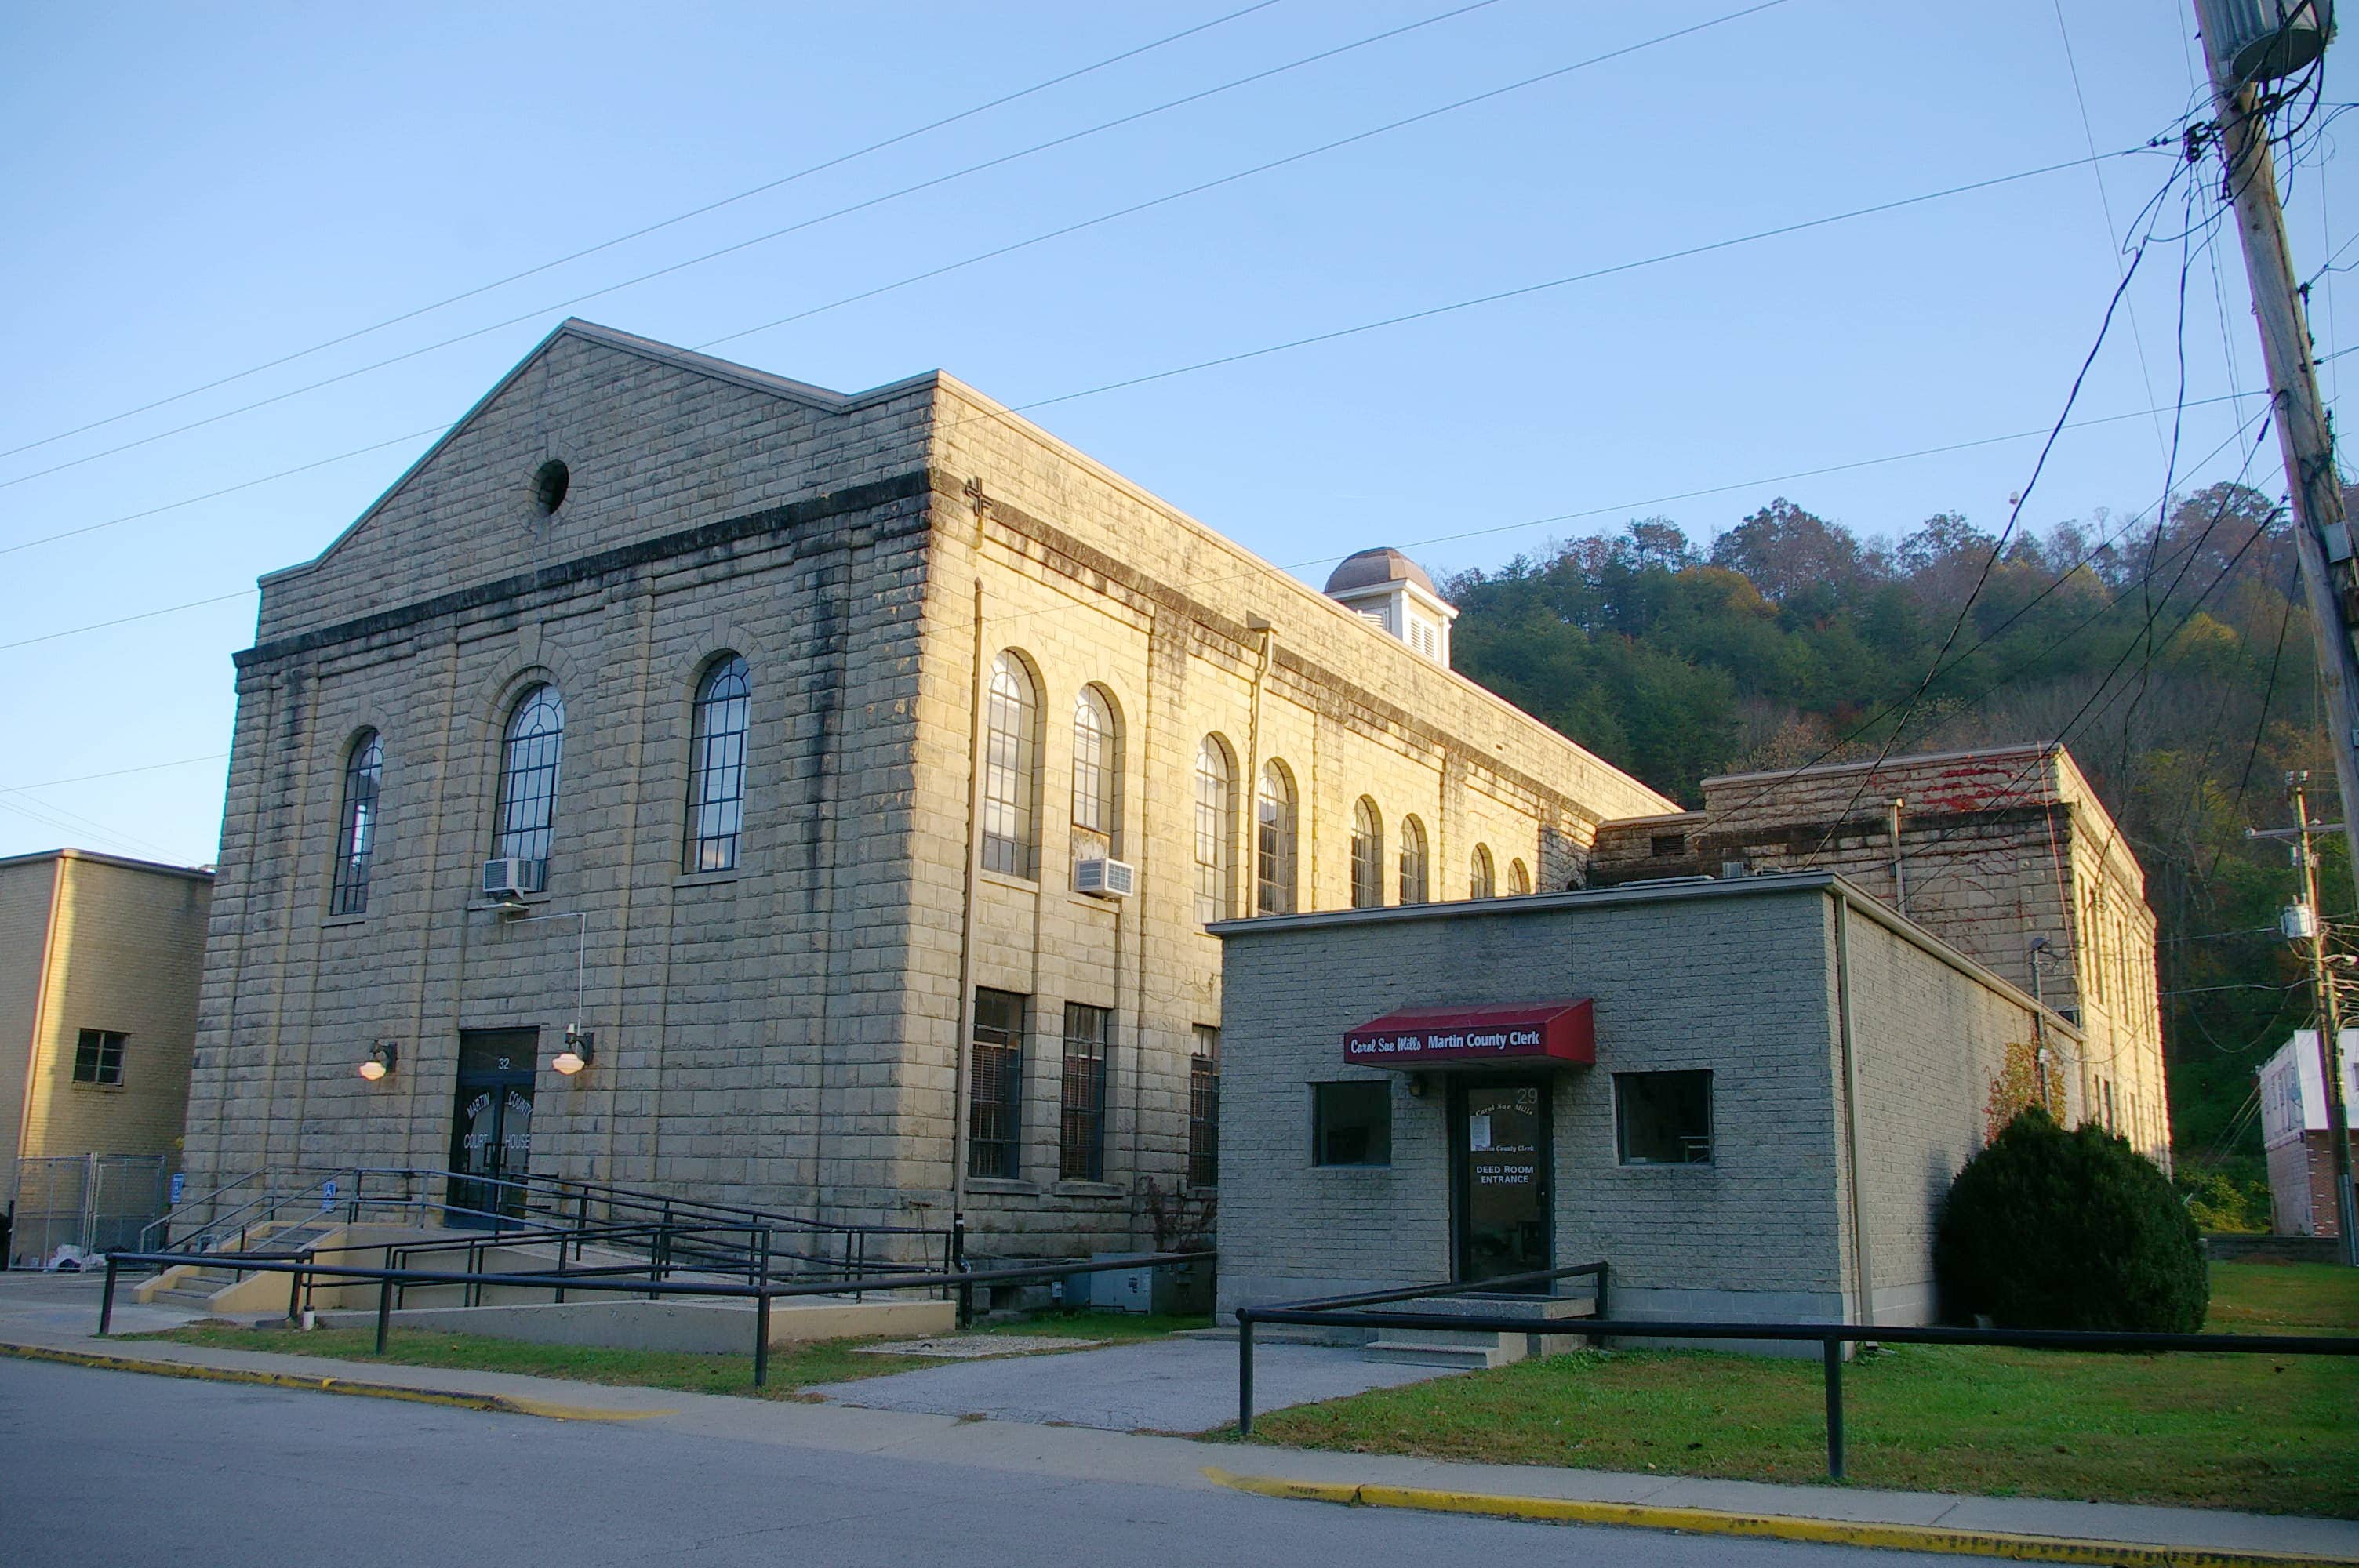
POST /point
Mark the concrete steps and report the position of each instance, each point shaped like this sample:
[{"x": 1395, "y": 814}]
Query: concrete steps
[{"x": 1474, "y": 1349}]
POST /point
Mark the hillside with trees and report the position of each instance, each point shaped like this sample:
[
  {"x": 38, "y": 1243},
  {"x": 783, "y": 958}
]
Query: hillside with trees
[{"x": 2173, "y": 657}]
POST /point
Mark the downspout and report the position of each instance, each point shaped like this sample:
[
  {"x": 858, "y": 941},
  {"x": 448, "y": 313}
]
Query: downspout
[
  {"x": 45, "y": 987},
  {"x": 1899, "y": 871},
  {"x": 959, "y": 1083},
  {"x": 1249, "y": 880},
  {"x": 1864, "y": 1280}
]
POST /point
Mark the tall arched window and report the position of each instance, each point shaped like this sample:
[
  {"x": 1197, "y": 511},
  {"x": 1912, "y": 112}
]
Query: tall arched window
[
  {"x": 1520, "y": 880},
  {"x": 1480, "y": 882},
  {"x": 356, "y": 828},
  {"x": 1097, "y": 776},
  {"x": 1216, "y": 831},
  {"x": 716, "y": 766},
  {"x": 1367, "y": 856},
  {"x": 1413, "y": 879},
  {"x": 534, "y": 744},
  {"x": 1011, "y": 772},
  {"x": 1274, "y": 841}
]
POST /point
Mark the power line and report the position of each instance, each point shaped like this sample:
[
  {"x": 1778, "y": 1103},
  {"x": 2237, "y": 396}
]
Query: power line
[
  {"x": 731, "y": 249},
  {"x": 116, "y": 773},
  {"x": 645, "y": 230},
  {"x": 1243, "y": 174},
  {"x": 1485, "y": 532}
]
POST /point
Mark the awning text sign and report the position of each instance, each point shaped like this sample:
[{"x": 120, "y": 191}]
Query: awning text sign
[{"x": 1538, "y": 1034}]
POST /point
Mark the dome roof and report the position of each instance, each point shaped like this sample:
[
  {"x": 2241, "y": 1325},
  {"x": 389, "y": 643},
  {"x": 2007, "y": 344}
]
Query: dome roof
[{"x": 1373, "y": 568}]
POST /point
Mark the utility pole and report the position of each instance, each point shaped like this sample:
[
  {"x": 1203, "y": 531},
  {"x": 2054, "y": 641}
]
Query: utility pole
[
  {"x": 2330, "y": 576},
  {"x": 2304, "y": 923}
]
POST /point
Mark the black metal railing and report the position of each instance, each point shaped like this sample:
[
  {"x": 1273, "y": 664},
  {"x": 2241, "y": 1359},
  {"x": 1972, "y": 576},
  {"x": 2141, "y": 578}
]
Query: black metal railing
[
  {"x": 305, "y": 1275},
  {"x": 680, "y": 1232},
  {"x": 1330, "y": 1313}
]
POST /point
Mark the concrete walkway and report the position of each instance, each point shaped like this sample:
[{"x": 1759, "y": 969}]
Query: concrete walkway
[
  {"x": 40, "y": 1318},
  {"x": 1178, "y": 1385}
]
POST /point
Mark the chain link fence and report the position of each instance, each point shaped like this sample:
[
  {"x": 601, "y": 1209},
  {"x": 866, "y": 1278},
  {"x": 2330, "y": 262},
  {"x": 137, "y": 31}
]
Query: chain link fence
[{"x": 90, "y": 1202}]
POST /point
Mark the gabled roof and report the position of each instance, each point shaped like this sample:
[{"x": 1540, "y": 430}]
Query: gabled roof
[{"x": 688, "y": 359}]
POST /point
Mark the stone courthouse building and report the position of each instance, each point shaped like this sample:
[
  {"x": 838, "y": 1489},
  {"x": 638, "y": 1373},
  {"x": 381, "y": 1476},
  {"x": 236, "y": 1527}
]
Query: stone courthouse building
[{"x": 858, "y": 772}]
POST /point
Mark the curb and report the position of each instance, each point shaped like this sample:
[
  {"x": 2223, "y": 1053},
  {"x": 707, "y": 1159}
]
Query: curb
[
  {"x": 505, "y": 1404},
  {"x": 1776, "y": 1527}
]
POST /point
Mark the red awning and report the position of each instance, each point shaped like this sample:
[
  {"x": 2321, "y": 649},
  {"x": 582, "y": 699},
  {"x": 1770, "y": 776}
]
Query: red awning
[{"x": 1538, "y": 1032}]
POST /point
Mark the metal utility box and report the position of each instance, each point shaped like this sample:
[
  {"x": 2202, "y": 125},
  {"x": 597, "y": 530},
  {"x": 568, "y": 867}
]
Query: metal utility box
[{"x": 1170, "y": 1288}]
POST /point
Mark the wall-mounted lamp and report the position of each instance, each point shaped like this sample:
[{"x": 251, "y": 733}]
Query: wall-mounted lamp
[
  {"x": 382, "y": 1057},
  {"x": 579, "y": 1051},
  {"x": 1419, "y": 1085}
]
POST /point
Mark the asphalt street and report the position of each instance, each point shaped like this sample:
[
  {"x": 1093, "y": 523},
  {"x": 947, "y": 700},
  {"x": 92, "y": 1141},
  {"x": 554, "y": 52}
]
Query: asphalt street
[{"x": 108, "y": 1468}]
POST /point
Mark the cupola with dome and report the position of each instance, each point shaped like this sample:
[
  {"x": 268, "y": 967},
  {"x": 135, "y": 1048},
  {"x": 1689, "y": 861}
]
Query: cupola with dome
[{"x": 1395, "y": 594}]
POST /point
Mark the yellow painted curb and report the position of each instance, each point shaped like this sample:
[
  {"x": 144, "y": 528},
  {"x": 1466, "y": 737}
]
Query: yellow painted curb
[
  {"x": 504, "y": 1403},
  {"x": 1824, "y": 1531}
]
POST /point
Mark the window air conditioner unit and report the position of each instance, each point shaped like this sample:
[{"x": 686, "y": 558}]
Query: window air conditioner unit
[
  {"x": 511, "y": 875},
  {"x": 1102, "y": 878}
]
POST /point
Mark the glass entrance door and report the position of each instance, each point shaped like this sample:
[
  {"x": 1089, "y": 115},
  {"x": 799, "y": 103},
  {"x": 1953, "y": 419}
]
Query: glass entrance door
[
  {"x": 1500, "y": 1155},
  {"x": 491, "y": 1125}
]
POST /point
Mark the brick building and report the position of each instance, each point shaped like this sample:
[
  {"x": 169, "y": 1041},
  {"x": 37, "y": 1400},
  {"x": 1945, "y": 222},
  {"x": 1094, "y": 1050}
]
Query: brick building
[
  {"x": 2005, "y": 853},
  {"x": 803, "y": 737},
  {"x": 2296, "y": 1138},
  {"x": 100, "y": 957},
  {"x": 1746, "y": 1094}
]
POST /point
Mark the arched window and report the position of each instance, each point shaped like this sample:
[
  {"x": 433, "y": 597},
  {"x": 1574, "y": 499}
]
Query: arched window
[
  {"x": 1274, "y": 843},
  {"x": 529, "y": 754},
  {"x": 1367, "y": 856},
  {"x": 1520, "y": 880},
  {"x": 1011, "y": 771},
  {"x": 1480, "y": 882},
  {"x": 1097, "y": 776},
  {"x": 356, "y": 828},
  {"x": 716, "y": 766},
  {"x": 1412, "y": 862},
  {"x": 1216, "y": 831}
]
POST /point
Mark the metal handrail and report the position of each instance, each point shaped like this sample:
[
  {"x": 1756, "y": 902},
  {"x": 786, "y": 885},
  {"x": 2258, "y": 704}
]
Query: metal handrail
[
  {"x": 304, "y": 1273},
  {"x": 1831, "y": 1336}
]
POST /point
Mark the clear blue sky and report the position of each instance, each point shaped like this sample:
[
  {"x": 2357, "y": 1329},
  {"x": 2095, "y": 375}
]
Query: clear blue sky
[{"x": 191, "y": 191}]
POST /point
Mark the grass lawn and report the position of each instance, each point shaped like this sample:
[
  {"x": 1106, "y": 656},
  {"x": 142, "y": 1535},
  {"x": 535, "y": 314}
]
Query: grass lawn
[
  {"x": 2244, "y": 1432},
  {"x": 792, "y": 1367}
]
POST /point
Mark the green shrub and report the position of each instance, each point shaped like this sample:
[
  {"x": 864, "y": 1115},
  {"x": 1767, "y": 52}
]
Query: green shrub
[
  {"x": 2224, "y": 1201},
  {"x": 2047, "y": 1228}
]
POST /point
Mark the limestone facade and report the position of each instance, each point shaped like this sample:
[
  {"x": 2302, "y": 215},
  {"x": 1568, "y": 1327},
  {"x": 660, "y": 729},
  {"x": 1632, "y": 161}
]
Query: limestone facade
[
  {"x": 2004, "y": 852},
  {"x": 792, "y": 1031}
]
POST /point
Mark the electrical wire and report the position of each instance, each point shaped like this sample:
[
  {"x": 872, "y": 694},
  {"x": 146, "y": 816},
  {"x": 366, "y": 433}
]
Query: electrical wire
[
  {"x": 644, "y": 230},
  {"x": 865, "y": 205}
]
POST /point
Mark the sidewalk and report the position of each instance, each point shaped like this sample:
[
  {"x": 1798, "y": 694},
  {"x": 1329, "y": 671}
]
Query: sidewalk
[{"x": 2026, "y": 1528}]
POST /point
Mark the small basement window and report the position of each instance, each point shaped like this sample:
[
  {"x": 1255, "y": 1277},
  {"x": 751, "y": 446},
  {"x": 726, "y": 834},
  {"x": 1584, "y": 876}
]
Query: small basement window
[
  {"x": 1352, "y": 1124},
  {"x": 1670, "y": 846},
  {"x": 1663, "y": 1119}
]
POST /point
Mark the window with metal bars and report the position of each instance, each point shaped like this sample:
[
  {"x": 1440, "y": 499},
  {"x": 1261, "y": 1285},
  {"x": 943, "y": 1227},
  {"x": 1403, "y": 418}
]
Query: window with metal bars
[
  {"x": 1204, "y": 1109},
  {"x": 1412, "y": 862},
  {"x": 1011, "y": 748},
  {"x": 98, "y": 1057},
  {"x": 1367, "y": 855},
  {"x": 995, "y": 1086},
  {"x": 716, "y": 766},
  {"x": 356, "y": 828},
  {"x": 529, "y": 754},
  {"x": 1216, "y": 833},
  {"x": 1081, "y": 1126},
  {"x": 1274, "y": 844}
]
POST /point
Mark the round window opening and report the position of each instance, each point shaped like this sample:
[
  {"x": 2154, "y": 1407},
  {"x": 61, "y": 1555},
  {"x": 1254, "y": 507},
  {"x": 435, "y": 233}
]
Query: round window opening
[{"x": 548, "y": 484}]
